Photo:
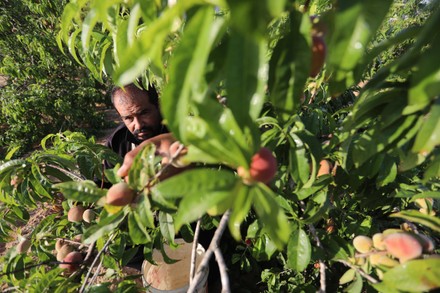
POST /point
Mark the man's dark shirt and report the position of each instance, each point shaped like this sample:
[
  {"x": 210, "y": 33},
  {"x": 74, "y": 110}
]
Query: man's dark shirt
[{"x": 121, "y": 141}]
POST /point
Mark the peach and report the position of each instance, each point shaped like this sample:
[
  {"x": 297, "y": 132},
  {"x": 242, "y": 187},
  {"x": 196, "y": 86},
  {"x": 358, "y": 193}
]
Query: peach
[
  {"x": 403, "y": 246},
  {"x": 363, "y": 244},
  {"x": 325, "y": 168},
  {"x": 60, "y": 243},
  {"x": 378, "y": 241},
  {"x": 75, "y": 214},
  {"x": 72, "y": 261},
  {"x": 382, "y": 259},
  {"x": 23, "y": 245},
  {"x": 63, "y": 252},
  {"x": 88, "y": 215},
  {"x": 263, "y": 166},
  {"x": 120, "y": 194},
  {"x": 426, "y": 242},
  {"x": 319, "y": 51}
]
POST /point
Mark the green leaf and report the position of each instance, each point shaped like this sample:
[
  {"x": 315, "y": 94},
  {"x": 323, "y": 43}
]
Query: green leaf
[
  {"x": 356, "y": 286},
  {"x": 377, "y": 139},
  {"x": 425, "y": 82},
  {"x": 347, "y": 277},
  {"x": 414, "y": 276},
  {"x": 200, "y": 180},
  {"x": 85, "y": 191},
  {"x": 241, "y": 207},
  {"x": 355, "y": 25},
  {"x": 298, "y": 163},
  {"x": 289, "y": 66},
  {"x": 104, "y": 226},
  {"x": 428, "y": 138},
  {"x": 433, "y": 169},
  {"x": 245, "y": 81},
  {"x": 271, "y": 215},
  {"x": 136, "y": 230},
  {"x": 387, "y": 172},
  {"x": 316, "y": 207},
  {"x": 142, "y": 169},
  {"x": 166, "y": 225},
  {"x": 299, "y": 250},
  {"x": 187, "y": 67},
  {"x": 195, "y": 205},
  {"x": 432, "y": 222}
]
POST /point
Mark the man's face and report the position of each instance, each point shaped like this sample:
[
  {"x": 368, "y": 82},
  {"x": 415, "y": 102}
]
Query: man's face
[{"x": 140, "y": 116}]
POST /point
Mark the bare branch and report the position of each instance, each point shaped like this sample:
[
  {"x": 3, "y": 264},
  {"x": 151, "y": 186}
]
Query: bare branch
[
  {"x": 212, "y": 247},
  {"x": 192, "y": 271},
  {"x": 360, "y": 271},
  {"x": 83, "y": 287},
  {"x": 223, "y": 271}
]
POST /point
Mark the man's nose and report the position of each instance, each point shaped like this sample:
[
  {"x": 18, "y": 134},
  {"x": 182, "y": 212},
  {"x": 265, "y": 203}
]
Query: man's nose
[{"x": 137, "y": 123}]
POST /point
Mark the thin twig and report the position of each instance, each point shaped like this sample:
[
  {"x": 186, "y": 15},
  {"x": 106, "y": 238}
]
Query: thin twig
[
  {"x": 194, "y": 252},
  {"x": 94, "y": 262},
  {"x": 223, "y": 271},
  {"x": 360, "y": 271},
  {"x": 212, "y": 246},
  {"x": 98, "y": 268},
  {"x": 71, "y": 174}
]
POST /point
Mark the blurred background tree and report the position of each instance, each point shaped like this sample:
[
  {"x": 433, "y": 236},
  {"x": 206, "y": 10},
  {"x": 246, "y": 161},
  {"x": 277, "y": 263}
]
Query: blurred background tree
[{"x": 46, "y": 91}]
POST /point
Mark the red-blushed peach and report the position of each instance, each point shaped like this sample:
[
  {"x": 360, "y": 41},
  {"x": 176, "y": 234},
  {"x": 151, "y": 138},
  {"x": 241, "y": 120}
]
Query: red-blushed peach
[
  {"x": 75, "y": 214},
  {"x": 319, "y": 52},
  {"x": 120, "y": 194},
  {"x": 72, "y": 261},
  {"x": 64, "y": 251},
  {"x": 403, "y": 246},
  {"x": 263, "y": 166},
  {"x": 325, "y": 167}
]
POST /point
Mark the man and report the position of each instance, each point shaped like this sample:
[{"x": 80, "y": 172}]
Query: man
[{"x": 139, "y": 110}]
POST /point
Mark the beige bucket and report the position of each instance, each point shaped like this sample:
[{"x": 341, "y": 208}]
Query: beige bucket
[{"x": 173, "y": 278}]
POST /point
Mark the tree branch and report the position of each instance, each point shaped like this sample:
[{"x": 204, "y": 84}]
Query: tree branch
[{"x": 212, "y": 247}]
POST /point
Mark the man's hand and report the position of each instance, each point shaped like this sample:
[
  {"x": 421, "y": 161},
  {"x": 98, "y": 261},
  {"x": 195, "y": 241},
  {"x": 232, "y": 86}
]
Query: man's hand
[{"x": 162, "y": 142}]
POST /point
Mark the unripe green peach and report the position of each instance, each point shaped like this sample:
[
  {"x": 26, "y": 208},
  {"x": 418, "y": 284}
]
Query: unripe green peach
[
  {"x": 378, "y": 259},
  {"x": 378, "y": 241},
  {"x": 72, "y": 261},
  {"x": 75, "y": 214},
  {"x": 363, "y": 244},
  {"x": 403, "y": 246},
  {"x": 23, "y": 245},
  {"x": 89, "y": 215},
  {"x": 120, "y": 194},
  {"x": 63, "y": 252}
]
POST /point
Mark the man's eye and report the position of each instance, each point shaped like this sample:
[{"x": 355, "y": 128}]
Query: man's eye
[{"x": 128, "y": 119}]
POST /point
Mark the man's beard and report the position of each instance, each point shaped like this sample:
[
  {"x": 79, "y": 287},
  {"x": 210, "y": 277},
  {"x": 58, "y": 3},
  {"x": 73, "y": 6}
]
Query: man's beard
[{"x": 147, "y": 132}]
